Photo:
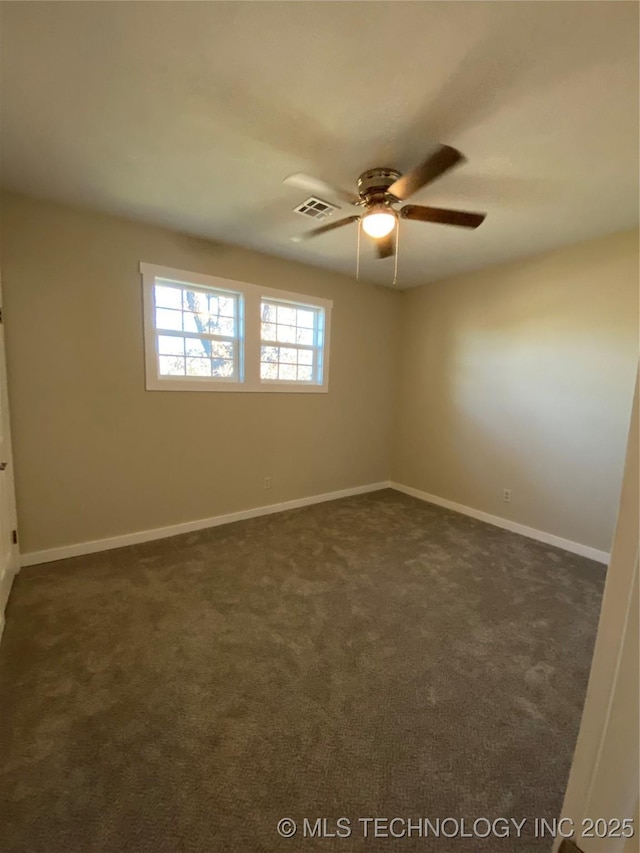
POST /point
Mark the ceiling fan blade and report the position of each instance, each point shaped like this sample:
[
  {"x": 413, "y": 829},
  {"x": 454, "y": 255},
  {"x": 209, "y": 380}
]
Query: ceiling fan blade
[
  {"x": 386, "y": 246},
  {"x": 324, "y": 228},
  {"x": 463, "y": 218},
  {"x": 443, "y": 158},
  {"x": 317, "y": 187}
]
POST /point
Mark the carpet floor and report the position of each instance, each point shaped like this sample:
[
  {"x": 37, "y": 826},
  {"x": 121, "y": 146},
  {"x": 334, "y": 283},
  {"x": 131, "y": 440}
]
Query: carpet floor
[{"x": 370, "y": 657}]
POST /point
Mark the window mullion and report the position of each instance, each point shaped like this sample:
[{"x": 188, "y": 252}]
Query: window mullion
[{"x": 252, "y": 339}]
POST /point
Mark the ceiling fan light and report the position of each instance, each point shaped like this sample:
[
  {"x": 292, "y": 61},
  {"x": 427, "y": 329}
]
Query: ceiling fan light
[{"x": 379, "y": 223}]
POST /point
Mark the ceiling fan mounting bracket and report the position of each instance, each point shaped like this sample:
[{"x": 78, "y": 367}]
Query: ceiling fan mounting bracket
[{"x": 373, "y": 184}]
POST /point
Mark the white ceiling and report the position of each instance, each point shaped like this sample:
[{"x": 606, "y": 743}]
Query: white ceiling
[{"x": 191, "y": 114}]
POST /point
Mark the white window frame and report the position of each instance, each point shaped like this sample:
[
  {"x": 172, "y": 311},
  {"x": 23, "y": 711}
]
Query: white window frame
[
  {"x": 315, "y": 348},
  {"x": 249, "y": 335}
]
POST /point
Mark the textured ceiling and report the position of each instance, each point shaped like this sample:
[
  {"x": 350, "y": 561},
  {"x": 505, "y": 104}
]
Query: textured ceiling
[{"x": 191, "y": 114}]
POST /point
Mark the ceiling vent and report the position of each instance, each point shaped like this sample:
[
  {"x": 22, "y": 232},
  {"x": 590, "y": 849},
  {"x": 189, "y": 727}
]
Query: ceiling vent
[{"x": 316, "y": 208}]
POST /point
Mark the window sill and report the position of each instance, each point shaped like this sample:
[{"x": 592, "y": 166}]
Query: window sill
[{"x": 227, "y": 387}]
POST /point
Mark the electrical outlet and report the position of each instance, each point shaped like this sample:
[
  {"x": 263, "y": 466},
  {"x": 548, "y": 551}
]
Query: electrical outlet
[
  {"x": 506, "y": 496},
  {"x": 267, "y": 482}
]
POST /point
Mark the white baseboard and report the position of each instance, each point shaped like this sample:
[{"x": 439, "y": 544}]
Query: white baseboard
[
  {"x": 62, "y": 553},
  {"x": 506, "y": 524}
]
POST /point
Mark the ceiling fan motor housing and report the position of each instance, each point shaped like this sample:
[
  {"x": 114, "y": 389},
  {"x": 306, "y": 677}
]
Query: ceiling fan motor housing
[{"x": 373, "y": 184}]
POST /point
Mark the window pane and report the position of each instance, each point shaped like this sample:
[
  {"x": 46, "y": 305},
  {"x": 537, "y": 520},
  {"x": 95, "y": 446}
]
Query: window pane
[
  {"x": 269, "y": 353},
  {"x": 170, "y": 345},
  {"x": 305, "y": 356},
  {"x": 268, "y": 312},
  {"x": 222, "y": 305},
  {"x": 288, "y": 355},
  {"x": 168, "y": 297},
  {"x": 221, "y": 349},
  {"x": 304, "y": 374},
  {"x": 198, "y": 367},
  {"x": 305, "y": 318},
  {"x": 196, "y": 323},
  {"x": 287, "y": 371},
  {"x": 304, "y": 336},
  {"x": 166, "y": 319},
  {"x": 222, "y": 368},
  {"x": 268, "y": 371},
  {"x": 222, "y": 326},
  {"x": 268, "y": 332},
  {"x": 286, "y": 334},
  {"x": 196, "y": 302},
  {"x": 198, "y": 347},
  {"x": 286, "y": 315},
  {"x": 171, "y": 365}
]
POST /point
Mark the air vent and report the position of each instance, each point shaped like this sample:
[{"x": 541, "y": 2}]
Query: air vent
[{"x": 316, "y": 208}]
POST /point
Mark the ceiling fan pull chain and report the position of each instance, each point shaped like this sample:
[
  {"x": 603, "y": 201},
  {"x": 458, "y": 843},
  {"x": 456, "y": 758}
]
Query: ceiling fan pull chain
[
  {"x": 395, "y": 266},
  {"x": 358, "y": 252}
]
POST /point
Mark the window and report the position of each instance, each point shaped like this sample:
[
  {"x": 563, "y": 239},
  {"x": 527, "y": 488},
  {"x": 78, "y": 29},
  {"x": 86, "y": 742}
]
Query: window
[
  {"x": 196, "y": 331},
  {"x": 204, "y": 333},
  {"x": 291, "y": 340}
]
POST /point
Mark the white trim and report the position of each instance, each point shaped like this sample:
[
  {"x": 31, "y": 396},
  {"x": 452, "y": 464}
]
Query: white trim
[
  {"x": 9, "y": 557},
  {"x": 603, "y": 780},
  {"x": 6, "y": 580},
  {"x": 506, "y": 524},
  {"x": 62, "y": 553},
  {"x": 247, "y": 338}
]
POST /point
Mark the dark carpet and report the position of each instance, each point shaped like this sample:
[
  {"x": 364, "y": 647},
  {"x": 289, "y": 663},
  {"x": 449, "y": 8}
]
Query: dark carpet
[{"x": 370, "y": 657}]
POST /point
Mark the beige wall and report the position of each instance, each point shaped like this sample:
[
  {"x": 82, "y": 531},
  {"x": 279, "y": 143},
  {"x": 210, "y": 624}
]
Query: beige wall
[
  {"x": 96, "y": 455},
  {"x": 521, "y": 377}
]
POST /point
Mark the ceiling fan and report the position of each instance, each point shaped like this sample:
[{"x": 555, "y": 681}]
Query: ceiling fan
[{"x": 381, "y": 190}]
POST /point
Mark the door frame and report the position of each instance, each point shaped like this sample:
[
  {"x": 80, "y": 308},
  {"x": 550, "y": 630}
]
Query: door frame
[
  {"x": 8, "y": 484},
  {"x": 603, "y": 781}
]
